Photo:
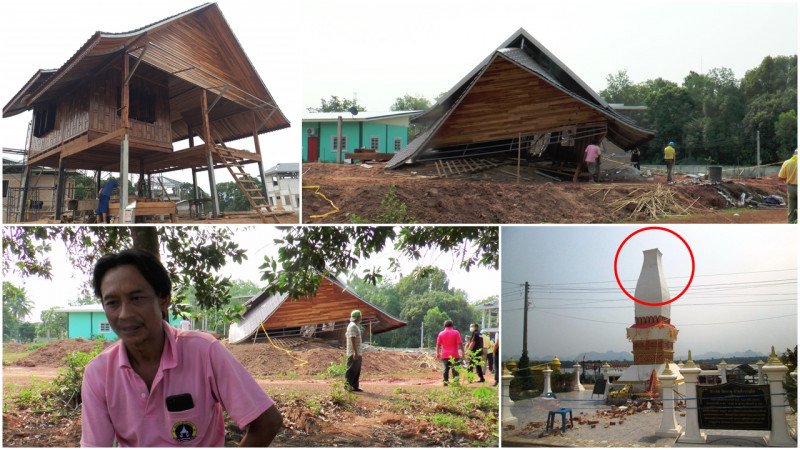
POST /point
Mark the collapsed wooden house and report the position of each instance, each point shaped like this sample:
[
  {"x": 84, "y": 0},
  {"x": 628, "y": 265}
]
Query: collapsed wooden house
[
  {"x": 325, "y": 315},
  {"x": 123, "y": 99},
  {"x": 519, "y": 100}
]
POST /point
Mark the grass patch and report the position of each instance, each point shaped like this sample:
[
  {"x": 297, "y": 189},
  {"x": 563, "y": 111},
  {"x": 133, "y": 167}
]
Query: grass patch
[{"x": 10, "y": 358}]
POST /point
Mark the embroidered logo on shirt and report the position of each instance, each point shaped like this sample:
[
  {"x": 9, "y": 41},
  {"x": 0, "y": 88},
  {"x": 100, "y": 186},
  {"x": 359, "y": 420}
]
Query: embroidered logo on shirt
[{"x": 184, "y": 431}]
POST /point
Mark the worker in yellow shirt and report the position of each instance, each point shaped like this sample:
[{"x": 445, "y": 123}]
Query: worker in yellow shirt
[
  {"x": 788, "y": 174},
  {"x": 669, "y": 160}
]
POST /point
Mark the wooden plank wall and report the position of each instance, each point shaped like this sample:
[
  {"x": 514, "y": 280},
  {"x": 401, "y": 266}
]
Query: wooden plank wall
[
  {"x": 104, "y": 105},
  {"x": 72, "y": 119},
  {"x": 508, "y": 100},
  {"x": 329, "y": 305}
]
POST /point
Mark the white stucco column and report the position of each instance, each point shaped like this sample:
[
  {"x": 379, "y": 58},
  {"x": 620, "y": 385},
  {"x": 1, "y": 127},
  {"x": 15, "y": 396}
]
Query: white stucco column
[
  {"x": 505, "y": 400},
  {"x": 723, "y": 370},
  {"x": 669, "y": 425},
  {"x": 547, "y": 389},
  {"x": 760, "y": 365},
  {"x": 775, "y": 372},
  {"x": 605, "y": 367},
  {"x": 692, "y": 434},
  {"x": 578, "y": 386}
]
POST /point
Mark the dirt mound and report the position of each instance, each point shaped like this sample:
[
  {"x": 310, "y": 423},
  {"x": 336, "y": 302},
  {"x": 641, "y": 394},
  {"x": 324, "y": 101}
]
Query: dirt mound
[
  {"x": 494, "y": 196},
  {"x": 262, "y": 359},
  {"x": 53, "y": 354},
  {"x": 15, "y": 348}
]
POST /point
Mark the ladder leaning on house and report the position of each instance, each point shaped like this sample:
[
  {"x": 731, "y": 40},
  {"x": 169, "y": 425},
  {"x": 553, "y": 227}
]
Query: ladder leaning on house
[{"x": 246, "y": 184}]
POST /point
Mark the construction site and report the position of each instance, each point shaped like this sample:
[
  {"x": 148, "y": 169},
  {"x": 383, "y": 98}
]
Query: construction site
[
  {"x": 121, "y": 104},
  {"x": 506, "y": 145}
]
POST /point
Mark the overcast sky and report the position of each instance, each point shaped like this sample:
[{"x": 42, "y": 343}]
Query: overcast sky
[
  {"x": 45, "y": 34},
  {"x": 743, "y": 296},
  {"x": 379, "y": 51},
  {"x": 478, "y": 283}
]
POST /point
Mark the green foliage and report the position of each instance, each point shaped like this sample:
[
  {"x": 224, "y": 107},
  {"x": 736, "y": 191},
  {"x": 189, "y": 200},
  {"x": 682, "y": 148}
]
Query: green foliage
[
  {"x": 393, "y": 210},
  {"x": 186, "y": 190},
  {"x": 231, "y": 197},
  {"x": 789, "y": 358},
  {"x": 53, "y": 323},
  {"x": 410, "y": 103},
  {"x": 335, "y": 104},
  {"x": 340, "y": 396},
  {"x": 433, "y": 320},
  {"x": 27, "y": 332},
  {"x": 34, "y": 396},
  {"x": 337, "y": 370},
  {"x": 196, "y": 253},
  {"x": 67, "y": 385},
  {"x": 305, "y": 252},
  {"x": 448, "y": 421}
]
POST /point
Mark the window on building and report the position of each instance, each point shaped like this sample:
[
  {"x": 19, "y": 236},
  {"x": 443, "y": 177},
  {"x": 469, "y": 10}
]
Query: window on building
[
  {"x": 142, "y": 103},
  {"x": 335, "y": 143},
  {"x": 297, "y": 200},
  {"x": 105, "y": 327},
  {"x": 398, "y": 144},
  {"x": 375, "y": 143},
  {"x": 271, "y": 201},
  {"x": 5, "y": 188},
  {"x": 274, "y": 180},
  {"x": 44, "y": 119}
]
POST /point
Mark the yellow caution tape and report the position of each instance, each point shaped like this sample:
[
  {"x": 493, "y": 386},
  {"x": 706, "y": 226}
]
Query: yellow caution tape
[
  {"x": 303, "y": 362},
  {"x": 335, "y": 209}
]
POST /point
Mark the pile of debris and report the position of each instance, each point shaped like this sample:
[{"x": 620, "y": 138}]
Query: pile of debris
[{"x": 645, "y": 203}]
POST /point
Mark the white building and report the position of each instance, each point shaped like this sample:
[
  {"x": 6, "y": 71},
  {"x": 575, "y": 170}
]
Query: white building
[{"x": 283, "y": 186}]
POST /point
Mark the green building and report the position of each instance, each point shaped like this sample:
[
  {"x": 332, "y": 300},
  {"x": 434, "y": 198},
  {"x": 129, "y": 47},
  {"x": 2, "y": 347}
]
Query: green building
[
  {"x": 384, "y": 132},
  {"x": 88, "y": 321}
]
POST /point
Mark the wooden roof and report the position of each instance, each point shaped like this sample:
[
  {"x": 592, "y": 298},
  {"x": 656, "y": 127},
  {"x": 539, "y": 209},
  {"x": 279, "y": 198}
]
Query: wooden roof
[
  {"x": 521, "y": 88},
  {"x": 194, "y": 49},
  {"x": 333, "y": 302}
]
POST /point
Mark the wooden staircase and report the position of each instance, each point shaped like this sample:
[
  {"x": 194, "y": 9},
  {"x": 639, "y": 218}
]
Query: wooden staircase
[
  {"x": 246, "y": 184},
  {"x": 455, "y": 167}
]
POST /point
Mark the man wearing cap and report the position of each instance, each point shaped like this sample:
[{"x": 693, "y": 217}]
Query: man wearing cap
[
  {"x": 354, "y": 355},
  {"x": 788, "y": 173},
  {"x": 669, "y": 160}
]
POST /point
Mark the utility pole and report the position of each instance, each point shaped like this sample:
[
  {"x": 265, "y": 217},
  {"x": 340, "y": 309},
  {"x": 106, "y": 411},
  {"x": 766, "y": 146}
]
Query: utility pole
[
  {"x": 758, "y": 153},
  {"x": 421, "y": 333},
  {"x": 525, "y": 322}
]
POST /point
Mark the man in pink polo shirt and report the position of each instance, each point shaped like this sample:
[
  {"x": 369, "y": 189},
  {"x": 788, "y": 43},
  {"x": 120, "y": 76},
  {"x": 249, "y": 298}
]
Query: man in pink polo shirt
[
  {"x": 159, "y": 386},
  {"x": 448, "y": 344}
]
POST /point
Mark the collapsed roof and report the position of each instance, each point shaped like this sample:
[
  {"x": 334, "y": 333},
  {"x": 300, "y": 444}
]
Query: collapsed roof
[
  {"x": 326, "y": 315},
  {"x": 519, "y": 90}
]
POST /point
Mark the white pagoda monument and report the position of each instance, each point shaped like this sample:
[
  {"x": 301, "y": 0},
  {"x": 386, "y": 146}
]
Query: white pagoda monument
[{"x": 652, "y": 334}]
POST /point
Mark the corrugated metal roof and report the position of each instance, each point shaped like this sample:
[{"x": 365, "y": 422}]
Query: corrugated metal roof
[{"x": 362, "y": 116}]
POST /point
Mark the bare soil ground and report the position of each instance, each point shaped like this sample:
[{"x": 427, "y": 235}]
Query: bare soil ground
[
  {"x": 494, "y": 196},
  {"x": 397, "y": 385}
]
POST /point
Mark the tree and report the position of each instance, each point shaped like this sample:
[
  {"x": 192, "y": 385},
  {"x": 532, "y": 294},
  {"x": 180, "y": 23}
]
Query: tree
[
  {"x": 186, "y": 190},
  {"x": 195, "y": 253},
  {"x": 786, "y": 133},
  {"x": 410, "y": 103},
  {"x": 54, "y": 324},
  {"x": 85, "y": 299},
  {"x": 335, "y": 104},
  {"x": 15, "y": 298},
  {"x": 434, "y": 321},
  {"x": 231, "y": 198},
  {"x": 27, "y": 332},
  {"x": 305, "y": 252}
]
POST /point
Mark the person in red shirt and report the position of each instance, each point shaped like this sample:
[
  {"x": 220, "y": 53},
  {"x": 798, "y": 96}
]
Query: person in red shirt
[
  {"x": 159, "y": 386},
  {"x": 448, "y": 345}
]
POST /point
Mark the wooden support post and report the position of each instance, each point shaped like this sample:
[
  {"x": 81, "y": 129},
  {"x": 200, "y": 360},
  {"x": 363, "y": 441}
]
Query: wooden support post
[
  {"x": 209, "y": 157},
  {"x": 519, "y": 155},
  {"x": 124, "y": 145},
  {"x": 59, "y": 189},
  {"x": 25, "y": 186},
  {"x": 260, "y": 164},
  {"x": 339, "y": 140}
]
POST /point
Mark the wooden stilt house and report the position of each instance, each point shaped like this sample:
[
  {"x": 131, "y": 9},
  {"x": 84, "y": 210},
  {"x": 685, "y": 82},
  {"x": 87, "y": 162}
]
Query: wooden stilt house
[
  {"x": 122, "y": 100},
  {"x": 325, "y": 315}
]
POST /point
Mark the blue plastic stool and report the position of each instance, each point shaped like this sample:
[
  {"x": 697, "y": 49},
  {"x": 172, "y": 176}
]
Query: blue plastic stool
[{"x": 551, "y": 416}]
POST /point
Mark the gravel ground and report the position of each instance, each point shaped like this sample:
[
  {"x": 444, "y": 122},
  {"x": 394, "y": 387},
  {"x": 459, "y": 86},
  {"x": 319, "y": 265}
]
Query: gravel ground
[{"x": 635, "y": 430}]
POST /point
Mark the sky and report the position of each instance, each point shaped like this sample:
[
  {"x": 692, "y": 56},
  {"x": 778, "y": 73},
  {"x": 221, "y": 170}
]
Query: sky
[
  {"x": 423, "y": 47},
  {"x": 478, "y": 283},
  {"x": 46, "y": 41},
  {"x": 743, "y": 295}
]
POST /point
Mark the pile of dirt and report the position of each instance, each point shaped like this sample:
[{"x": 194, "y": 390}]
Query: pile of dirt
[
  {"x": 53, "y": 354},
  {"x": 12, "y": 347},
  {"x": 262, "y": 359},
  {"x": 495, "y": 197}
]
